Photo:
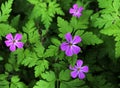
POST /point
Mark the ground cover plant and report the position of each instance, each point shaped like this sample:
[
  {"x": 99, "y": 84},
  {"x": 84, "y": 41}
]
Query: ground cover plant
[{"x": 59, "y": 43}]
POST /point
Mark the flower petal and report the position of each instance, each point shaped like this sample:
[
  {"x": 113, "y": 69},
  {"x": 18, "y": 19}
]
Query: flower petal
[
  {"x": 18, "y": 36},
  {"x": 69, "y": 51},
  {"x": 12, "y": 47},
  {"x": 76, "y": 40},
  {"x": 64, "y": 46},
  {"x": 68, "y": 37},
  {"x": 75, "y": 49},
  {"x": 19, "y": 44},
  {"x": 9, "y": 36},
  {"x": 81, "y": 9},
  {"x": 81, "y": 75},
  {"x": 8, "y": 42},
  {"x": 74, "y": 74},
  {"x": 79, "y": 63},
  {"x": 85, "y": 69},
  {"x": 71, "y": 11},
  {"x": 75, "y": 6}
]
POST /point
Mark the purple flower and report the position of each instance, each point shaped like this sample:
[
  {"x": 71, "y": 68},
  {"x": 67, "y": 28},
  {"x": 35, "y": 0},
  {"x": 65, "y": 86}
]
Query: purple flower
[
  {"x": 76, "y": 11},
  {"x": 69, "y": 47},
  {"x": 14, "y": 42},
  {"x": 79, "y": 70}
]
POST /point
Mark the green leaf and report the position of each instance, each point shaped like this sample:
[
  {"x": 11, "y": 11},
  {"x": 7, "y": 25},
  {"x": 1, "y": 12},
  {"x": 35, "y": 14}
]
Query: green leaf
[
  {"x": 89, "y": 38},
  {"x": 15, "y": 21},
  {"x": 72, "y": 84},
  {"x": 3, "y": 81},
  {"x": 50, "y": 80},
  {"x": 51, "y": 51},
  {"x": 30, "y": 59},
  {"x": 30, "y": 29},
  {"x": 47, "y": 15},
  {"x": 5, "y": 10},
  {"x": 39, "y": 49},
  {"x": 34, "y": 1},
  {"x": 8, "y": 67},
  {"x": 41, "y": 66},
  {"x": 49, "y": 76},
  {"x": 112, "y": 30},
  {"x": 64, "y": 26},
  {"x": 82, "y": 22},
  {"x": 64, "y": 75},
  {"x": 15, "y": 83},
  {"x": 55, "y": 41},
  {"x": 5, "y": 29}
]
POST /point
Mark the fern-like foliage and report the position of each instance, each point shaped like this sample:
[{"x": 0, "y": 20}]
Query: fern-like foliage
[
  {"x": 3, "y": 81},
  {"x": 5, "y": 10},
  {"x": 7, "y": 29},
  {"x": 49, "y": 81},
  {"x": 15, "y": 83},
  {"x": 45, "y": 10},
  {"x": 108, "y": 20}
]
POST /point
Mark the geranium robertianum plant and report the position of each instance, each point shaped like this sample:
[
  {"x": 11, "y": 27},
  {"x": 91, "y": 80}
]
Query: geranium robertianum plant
[{"x": 59, "y": 43}]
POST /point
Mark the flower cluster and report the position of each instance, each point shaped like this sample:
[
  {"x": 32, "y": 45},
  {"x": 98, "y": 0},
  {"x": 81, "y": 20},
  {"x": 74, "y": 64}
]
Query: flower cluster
[{"x": 70, "y": 48}]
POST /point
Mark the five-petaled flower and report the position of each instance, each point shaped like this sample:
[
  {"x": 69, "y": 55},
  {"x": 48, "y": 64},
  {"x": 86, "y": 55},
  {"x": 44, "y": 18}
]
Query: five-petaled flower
[
  {"x": 14, "y": 42},
  {"x": 79, "y": 70},
  {"x": 69, "y": 47},
  {"x": 76, "y": 11}
]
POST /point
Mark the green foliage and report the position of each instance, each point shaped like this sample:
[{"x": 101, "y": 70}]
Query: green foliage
[
  {"x": 47, "y": 12},
  {"x": 3, "y": 81},
  {"x": 15, "y": 83},
  {"x": 50, "y": 80},
  {"x": 5, "y": 10},
  {"x": 7, "y": 29},
  {"x": 90, "y": 39},
  {"x": 30, "y": 59},
  {"x": 64, "y": 26},
  {"x": 64, "y": 75},
  {"x": 51, "y": 51},
  {"x": 41, "y": 66},
  {"x": 73, "y": 84}
]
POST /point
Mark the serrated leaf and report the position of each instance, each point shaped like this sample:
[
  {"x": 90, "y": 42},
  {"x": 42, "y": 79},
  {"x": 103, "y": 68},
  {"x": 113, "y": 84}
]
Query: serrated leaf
[
  {"x": 72, "y": 84},
  {"x": 112, "y": 30},
  {"x": 39, "y": 49},
  {"x": 5, "y": 10},
  {"x": 64, "y": 75},
  {"x": 55, "y": 41},
  {"x": 30, "y": 59},
  {"x": 5, "y": 29},
  {"x": 63, "y": 25},
  {"x": 41, "y": 66},
  {"x": 50, "y": 80},
  {"x": 15, "y": 21},
  {"x": 15, "y": 83},
  {"x": 49, "y": 76},
  {"x": 51, "y": 51},
  {"x": 89, "y": 38}
]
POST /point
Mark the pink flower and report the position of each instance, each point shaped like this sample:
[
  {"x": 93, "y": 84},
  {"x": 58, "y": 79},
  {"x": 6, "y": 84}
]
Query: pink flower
[
  {"x": 14, "y": 42},
  {"x": 76, "y": 11},
  {"x": 79, "y": 70},
  {"x": 69, "y": 47}
]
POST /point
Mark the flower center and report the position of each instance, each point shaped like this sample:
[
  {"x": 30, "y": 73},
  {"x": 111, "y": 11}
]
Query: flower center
[
  {"x": 14, "y": 41},
  {"x": 70, "y": 44},
  {"x": 78, "y": 69}
]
